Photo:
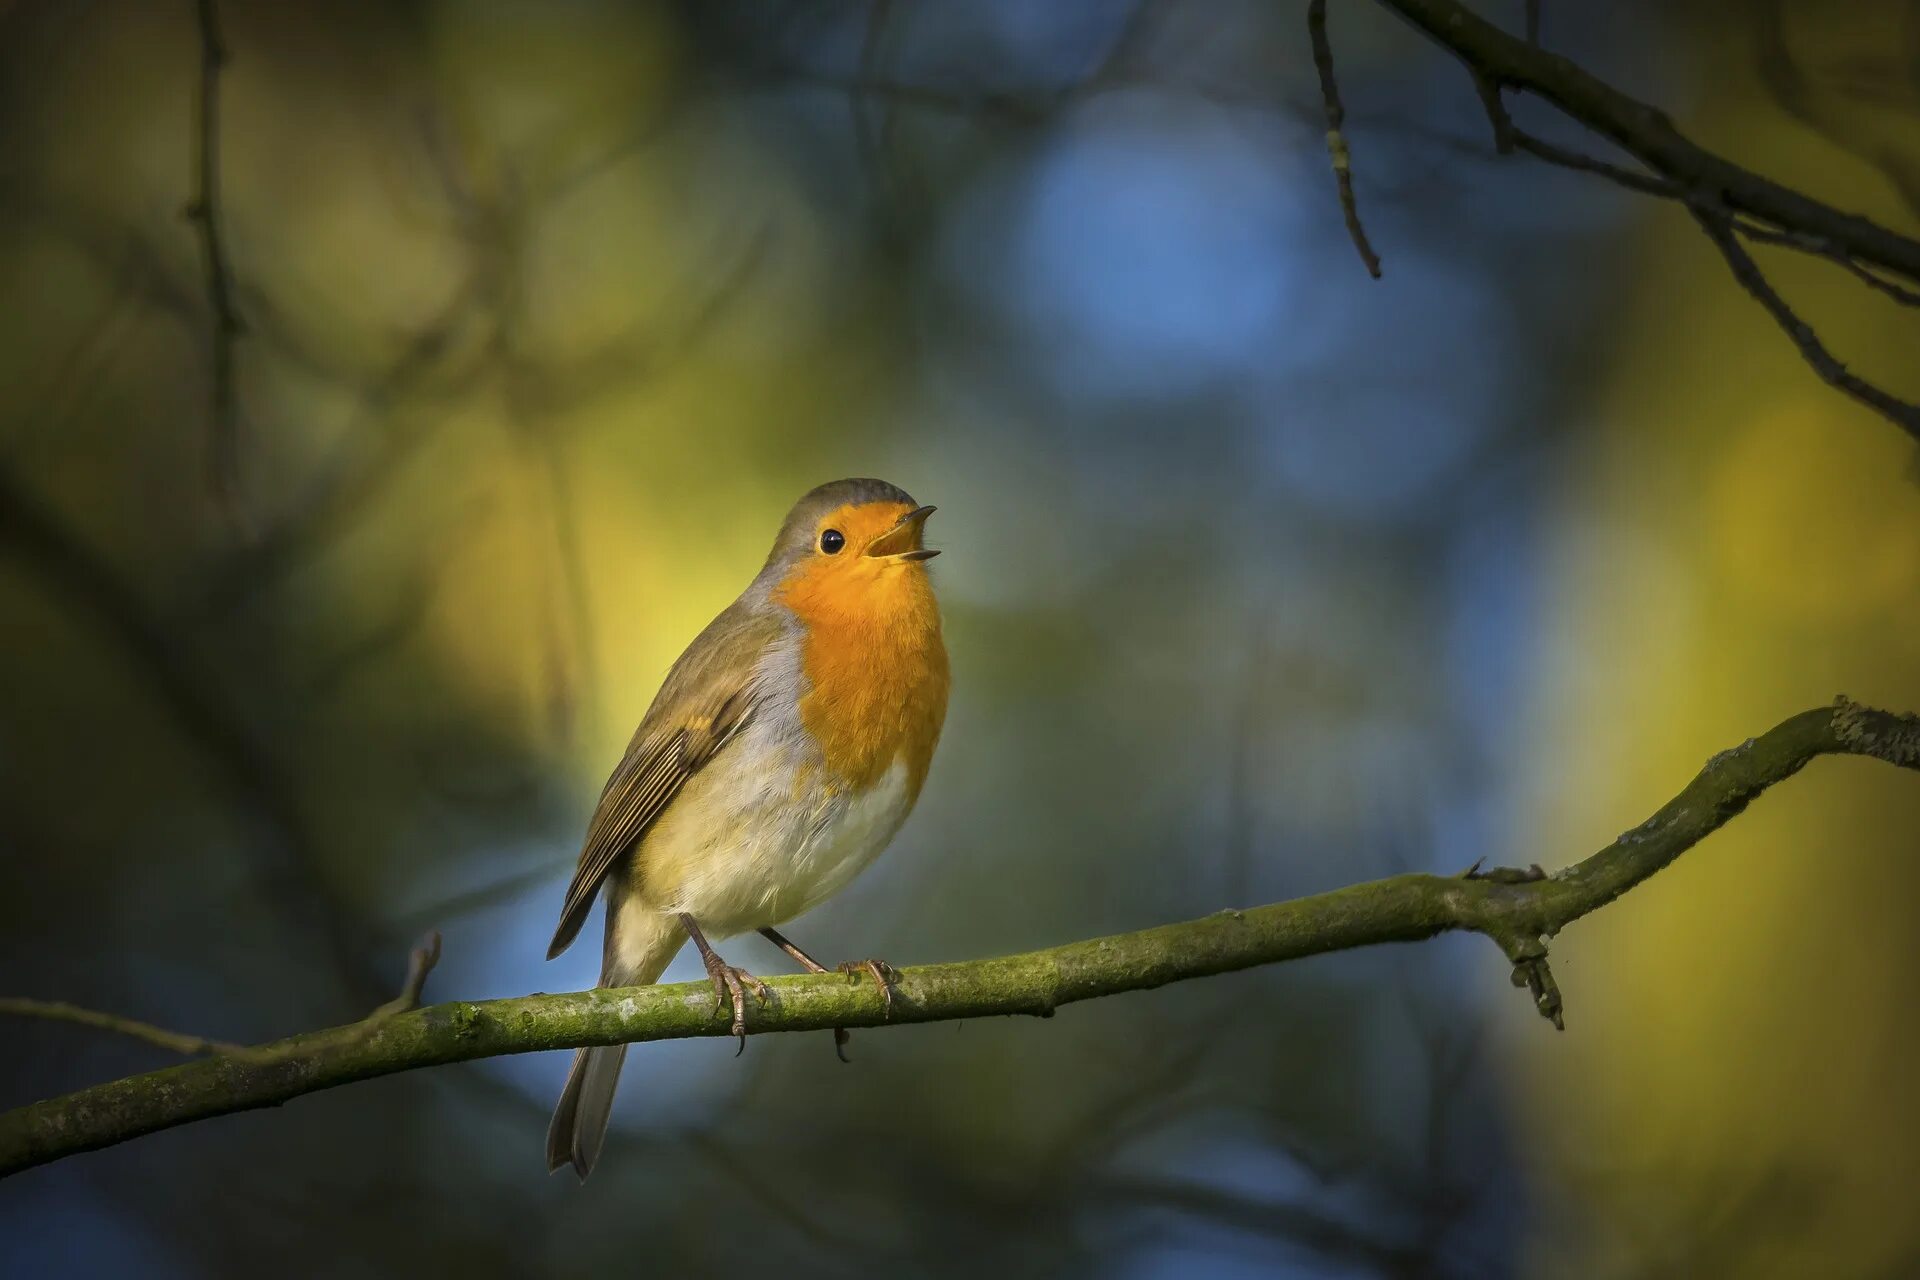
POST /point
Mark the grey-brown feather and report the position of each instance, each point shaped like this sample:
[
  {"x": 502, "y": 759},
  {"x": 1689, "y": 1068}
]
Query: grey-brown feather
[
  {"x": 705, "y": 701},
  {"x": 579, "y": 1126}
]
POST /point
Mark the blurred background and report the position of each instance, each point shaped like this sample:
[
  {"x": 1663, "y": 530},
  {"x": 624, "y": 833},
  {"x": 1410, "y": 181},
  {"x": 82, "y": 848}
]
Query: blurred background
[{"x": 1263, "y": 577}]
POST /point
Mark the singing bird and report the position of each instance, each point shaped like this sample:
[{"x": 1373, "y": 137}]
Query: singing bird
[{"x": 782, "y": 753}]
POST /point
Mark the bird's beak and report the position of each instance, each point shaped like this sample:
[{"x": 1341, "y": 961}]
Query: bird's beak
[{"x": 902, "y": 542}]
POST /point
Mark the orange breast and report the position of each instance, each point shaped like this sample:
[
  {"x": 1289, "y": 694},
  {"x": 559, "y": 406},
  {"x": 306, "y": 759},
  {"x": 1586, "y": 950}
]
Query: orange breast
[{"x": 876, "y": 666}]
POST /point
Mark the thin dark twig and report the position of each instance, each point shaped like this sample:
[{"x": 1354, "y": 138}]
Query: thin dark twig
[
  {"x": 1650, "y": 184},
  {"x": 1722, "y": 195},
  {"x": 1647, "y": 183},
  {"x": 1502, "y": 124},
  {"x": 1508, "y": 138},
  {"x": 223, "y": 452},
  {"x": 60, "y": 1011},
  {"x": 1533, "y": 23},
  {"x": 1336, "y": 139},
  {"x": 1804, "y": 243},
  {"x": 1649, "y": 134},
  {"x": 1720, "y": 229},
  {"x": 420, "y": 963}
]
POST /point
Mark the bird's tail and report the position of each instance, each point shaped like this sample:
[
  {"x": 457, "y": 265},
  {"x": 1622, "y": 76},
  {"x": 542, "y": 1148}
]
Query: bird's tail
[{"x": 640, "y": 945}]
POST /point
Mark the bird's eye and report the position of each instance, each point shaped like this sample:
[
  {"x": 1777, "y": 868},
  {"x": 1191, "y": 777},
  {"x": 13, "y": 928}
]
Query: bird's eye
[{"x": 832, "y": 540}]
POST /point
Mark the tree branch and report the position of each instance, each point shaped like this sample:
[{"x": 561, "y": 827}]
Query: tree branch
[
  {"x": 1723, "y": 195},
  {"x": 420, "y": 962},
  {"x": 1337, "y": 150},
  {"x": 1518, "y": 911},
  {"x": 1721, "y": 231},
  {"x": 1646, "y": 133},
  {"x": 60, "y": 1011}
]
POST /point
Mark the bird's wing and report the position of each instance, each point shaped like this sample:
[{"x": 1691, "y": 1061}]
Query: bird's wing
[{"x": 706, "y": 700}]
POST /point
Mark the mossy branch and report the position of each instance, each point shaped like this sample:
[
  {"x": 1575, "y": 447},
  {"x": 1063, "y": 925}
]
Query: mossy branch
[{"x": 1519, "y": 911}]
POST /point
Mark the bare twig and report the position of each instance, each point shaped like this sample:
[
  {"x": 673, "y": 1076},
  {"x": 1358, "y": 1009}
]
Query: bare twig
[
  {"x": 1635, "y": 180},
  {"x": 1337, "y": 149},
  {"x": 1721, "y": 231},
  {"x": 1647, "y": 134},
  {"x": 1814, "y": 245},
  {"x": 1648, "y": 184},
  {"x": 1632, "y": 179},
  {"x": 1520, "y": 914},
  {"x": 223, "y": 451},
  {"x": 60, "y": 1011},
  {"x": 1725, "y": 198},
  {"x": 1497, "y": 117},
  {"x": 420, "y": 963}
]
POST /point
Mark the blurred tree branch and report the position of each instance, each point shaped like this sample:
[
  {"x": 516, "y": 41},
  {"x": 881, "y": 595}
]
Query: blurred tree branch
[
  {"x": 223, "y": 455},
  {"x": 1519, "y": 911}
]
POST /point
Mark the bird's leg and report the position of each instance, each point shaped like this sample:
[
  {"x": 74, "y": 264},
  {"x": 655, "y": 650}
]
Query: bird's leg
[
  {"x": 840, "y": 1034},
  {"x": 726, "y": 981},
  {"x": 883, "y": 974},
  {"x": 805, "y": 961}
]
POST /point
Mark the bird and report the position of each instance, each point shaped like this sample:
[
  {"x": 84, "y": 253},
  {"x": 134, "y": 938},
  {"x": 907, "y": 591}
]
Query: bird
[{"x": 779, "y": 758}]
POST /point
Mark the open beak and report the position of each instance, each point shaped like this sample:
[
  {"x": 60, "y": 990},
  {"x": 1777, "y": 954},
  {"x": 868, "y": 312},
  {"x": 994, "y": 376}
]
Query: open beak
[{"x": 902, "y": 542}]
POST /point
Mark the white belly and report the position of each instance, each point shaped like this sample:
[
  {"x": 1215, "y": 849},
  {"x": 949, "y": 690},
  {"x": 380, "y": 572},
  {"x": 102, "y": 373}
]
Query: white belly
[{"x": 756, "y": 840}]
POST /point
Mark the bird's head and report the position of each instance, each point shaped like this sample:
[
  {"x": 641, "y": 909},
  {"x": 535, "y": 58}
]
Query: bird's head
[{"x": 852, "y": 546}]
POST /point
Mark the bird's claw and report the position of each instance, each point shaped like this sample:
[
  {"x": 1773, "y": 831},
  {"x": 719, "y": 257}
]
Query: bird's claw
[
  {"x": 884, "y": 975},
  {"x": 729, "y": 989}
]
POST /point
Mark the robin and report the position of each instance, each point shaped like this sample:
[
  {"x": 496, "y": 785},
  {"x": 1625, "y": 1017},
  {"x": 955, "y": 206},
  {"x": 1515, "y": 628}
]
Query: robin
[{"x": 782, "y": 753}]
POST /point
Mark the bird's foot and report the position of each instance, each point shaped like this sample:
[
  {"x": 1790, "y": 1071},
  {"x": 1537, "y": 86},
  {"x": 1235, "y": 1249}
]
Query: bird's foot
[
  {"x": 884, "y": 974},
  {"x": 729, "y": 989}
]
